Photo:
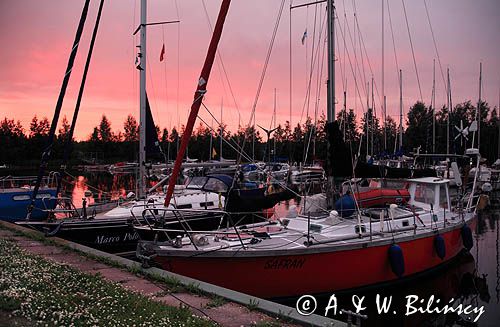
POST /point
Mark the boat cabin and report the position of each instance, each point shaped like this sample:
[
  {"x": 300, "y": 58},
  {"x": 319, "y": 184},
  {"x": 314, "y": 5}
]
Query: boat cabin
[{"x": 428, "y": 191}]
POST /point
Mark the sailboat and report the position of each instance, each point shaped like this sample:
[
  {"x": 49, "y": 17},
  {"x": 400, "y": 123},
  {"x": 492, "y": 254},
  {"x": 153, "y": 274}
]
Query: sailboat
[
  {"x": 16, "y": 193},
  {"x": 329, "y": 251}
]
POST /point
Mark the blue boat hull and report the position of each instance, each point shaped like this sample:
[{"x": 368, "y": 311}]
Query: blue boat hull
[{"x": 14, "y": 204}]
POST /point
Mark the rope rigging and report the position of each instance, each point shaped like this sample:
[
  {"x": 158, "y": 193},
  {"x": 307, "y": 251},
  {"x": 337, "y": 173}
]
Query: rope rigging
[
  {"x": 435, "y": 44},
  {"x": 412, "y": 51},
  {"x": 261, "y": 81}
]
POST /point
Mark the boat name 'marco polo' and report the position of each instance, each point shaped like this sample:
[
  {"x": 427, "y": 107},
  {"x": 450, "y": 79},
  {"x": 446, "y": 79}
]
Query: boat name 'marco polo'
[{"x": 102, "y": 239}]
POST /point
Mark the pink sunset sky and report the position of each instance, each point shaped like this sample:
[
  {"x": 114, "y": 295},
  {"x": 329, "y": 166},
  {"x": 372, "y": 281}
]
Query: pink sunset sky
[{"x": 37, "y": 36}]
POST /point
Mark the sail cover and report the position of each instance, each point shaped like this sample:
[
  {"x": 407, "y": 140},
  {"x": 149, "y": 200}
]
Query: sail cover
[{"x": 152, "y": 144}]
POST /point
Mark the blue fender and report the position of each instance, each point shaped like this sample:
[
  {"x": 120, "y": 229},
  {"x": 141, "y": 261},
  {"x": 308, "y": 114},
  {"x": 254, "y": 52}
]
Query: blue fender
[
  {"x": 396, "y": 258},
  {"x": 440, "y": 246},
  {"x": 467, "y": 238}
]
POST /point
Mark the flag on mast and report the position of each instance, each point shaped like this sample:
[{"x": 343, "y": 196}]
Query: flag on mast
[
  {"x": 162, "y": 53},
  {"x": 304, "y": 36}
]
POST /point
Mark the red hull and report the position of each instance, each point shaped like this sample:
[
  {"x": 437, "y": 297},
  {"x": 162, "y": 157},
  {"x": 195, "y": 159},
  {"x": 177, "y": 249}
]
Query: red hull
[
  {"x": 295, "y": 275},
  {"x": 381, "y": 197}
]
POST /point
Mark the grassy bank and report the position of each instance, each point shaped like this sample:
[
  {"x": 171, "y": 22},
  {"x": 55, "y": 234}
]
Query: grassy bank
[{"x": 48, "y": 294}]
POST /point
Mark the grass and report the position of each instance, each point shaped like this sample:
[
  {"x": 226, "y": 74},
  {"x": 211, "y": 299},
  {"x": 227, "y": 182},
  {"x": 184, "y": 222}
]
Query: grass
[
  {"x": 51, "y": 294},
  {"x": 173, "y": 284},
  {"x": 252, "y": 305},
  {"x": 216, "y": 301}
]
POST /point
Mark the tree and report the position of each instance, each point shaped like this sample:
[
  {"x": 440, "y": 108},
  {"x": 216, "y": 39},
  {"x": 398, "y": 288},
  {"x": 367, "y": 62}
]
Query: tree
[
  {"x": 391, "y": 131},
  {"x": 164, "y": 137},
  {"x": 94, "y": 137},
  {"x": 419, "y": 130},
  {"x": 39, "y": 128},
  {"x": 131, "y": 129},
  {"x": 104, "y": 129},
  {"x": 64, "y": 129},
  {"x": 11, "y": 129}
]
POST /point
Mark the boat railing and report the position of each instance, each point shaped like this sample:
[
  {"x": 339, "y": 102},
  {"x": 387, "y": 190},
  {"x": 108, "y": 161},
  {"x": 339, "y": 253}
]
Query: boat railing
[
  {"x": 26, "y": 182},
  {"x": 158, "y": 215},
  {"x": 64, "y": 207}
]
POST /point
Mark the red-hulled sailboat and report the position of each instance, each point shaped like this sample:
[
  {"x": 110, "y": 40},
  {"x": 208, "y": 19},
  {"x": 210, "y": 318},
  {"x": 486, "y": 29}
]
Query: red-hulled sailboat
[{"x": 304, "y": 255}]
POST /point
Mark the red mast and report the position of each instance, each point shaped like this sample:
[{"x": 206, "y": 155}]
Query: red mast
[{"x": 201, "y": 88}]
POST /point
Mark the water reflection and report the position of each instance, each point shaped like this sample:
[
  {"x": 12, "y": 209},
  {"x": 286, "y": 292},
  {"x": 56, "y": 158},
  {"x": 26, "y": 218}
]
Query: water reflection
[{"x": 101, "y": 187}]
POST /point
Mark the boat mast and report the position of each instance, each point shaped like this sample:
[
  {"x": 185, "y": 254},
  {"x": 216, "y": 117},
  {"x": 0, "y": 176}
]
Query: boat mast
[
  {"x": 221, "y": 129},
  {"x": 478, "y": 118},
  {"x": 47, "y": 150},
  {"x": 201, "y": 89},
  {"x": 142, "y": 100},
  {"x": 372, "y": 117},
  {"x": 330, "y": 111},
  {"x": 400, "y": 109},
  {"x": 211, "y": 140},
  {"x": 367, "y": 122},
  {"x": 433, "y": 105},
  {"x": 384, "y": 109},
  {"x": 449, "y": 114},
  {"x": 331, "y": 61},
  {"x": 274, "y": 127}
]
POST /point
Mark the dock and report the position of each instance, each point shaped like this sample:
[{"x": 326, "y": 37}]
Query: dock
[{"x": 210, "y": 303}]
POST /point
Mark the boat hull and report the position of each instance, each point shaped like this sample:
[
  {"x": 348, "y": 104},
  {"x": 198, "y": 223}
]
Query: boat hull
[
  {"x": 14, "y": 204},
  {"x": 113, "y": 235},
  {"x": 275, "y": 276}
]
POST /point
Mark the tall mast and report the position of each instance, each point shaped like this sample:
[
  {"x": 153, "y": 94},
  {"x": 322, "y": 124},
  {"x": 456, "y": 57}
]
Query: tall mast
[
  {"x": 449, "y": 114},
  {"x": 221, "y": 128},
  {"x": 330, "y": 112},
  {"x": 274, "y": 127},
  {"x": 50, "y": 139},
  {"x": 344, "y": 114},
  {"x": 372, "y": 116},
  {"x": 367, "y": 120},
  {"x": 201, "y": 89},
  {"x": 331, "y": 61},
  {"x": 479, "y": 107},
  {"x": 400, "y": 109},
  {"x": 210, "y": 151},
  {"x": 142, "y": 98},
  {"x": 384, "y": 109},
  {"x": 433, "y": 105},
  {"x": 385, "y": 121}
]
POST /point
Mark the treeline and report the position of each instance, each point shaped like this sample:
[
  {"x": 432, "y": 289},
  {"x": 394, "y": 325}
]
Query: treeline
[{"x": 298, "y": 143}]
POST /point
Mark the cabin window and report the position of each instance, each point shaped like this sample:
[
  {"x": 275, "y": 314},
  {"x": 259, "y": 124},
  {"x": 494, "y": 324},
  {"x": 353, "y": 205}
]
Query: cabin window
[
  {"x": 315, "y": 228},
  {"x": 215, "y": 185},
  {"x": 23, "y": 197},
  {"x": 206, "y": 204},
  {"x": 196, "y": 182},
  {"x": 443, "y": 197},
  {"x": 424, "y": 193},
  {"x": 185, "y": 206}
]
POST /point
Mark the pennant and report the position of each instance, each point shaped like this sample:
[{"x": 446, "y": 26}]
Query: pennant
[
  {"x": 162, "y": 53},
  {"x": 304, "y": 36}
]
